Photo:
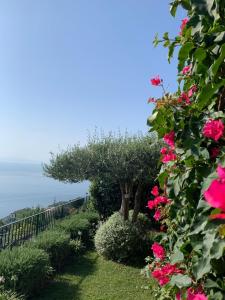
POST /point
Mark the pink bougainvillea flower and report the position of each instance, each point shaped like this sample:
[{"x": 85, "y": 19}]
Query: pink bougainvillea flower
[
  {"x": 214, "y": 152},
  {"x": 151, "y": 204},
  {"x": 215, "y": 194},
  {"x": 169, "y": 156},
  {"x": 155, "y": 191},
  {"x": 163, "y": 150},
  {"x": 217, "y": 216},
  {"x": 213, "y": 129},
  {"x": 184, "y": 98},
  {"x": 169, "y": 139},
  {"x": 152, "y": 100},
  {"x": 156, "y": 81},
  {"x": 221, "y": 172},
  {"x": 183, "y": 24},
  {"x": 161, "y": 200},
  {"x": 178, "y": 296},
  {"x": 162, "y": 275},
  {"x": 157, "y": 215},
  {"x": 199, "y": 297},
  {"x": 186, "y": 70},
  {"x": 192, "y": 90},
  {"x": 158, "y": 251}
]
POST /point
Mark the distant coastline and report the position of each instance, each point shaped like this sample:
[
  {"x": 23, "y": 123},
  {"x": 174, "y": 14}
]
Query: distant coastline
[{"x": 22, "y": 185}]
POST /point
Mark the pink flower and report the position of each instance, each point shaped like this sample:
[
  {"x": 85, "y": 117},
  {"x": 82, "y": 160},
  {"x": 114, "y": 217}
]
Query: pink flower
[
  {"x": 162, "y": 275},
  {"x": 215, "y": 194},
  {"x": 152, "y": 100},
  {"x": 156, "y": 81},
  {"x": 151, "y": 204},
  {"x": 184, "y": 97},
  {"x": 183, "y": 24},
  {"x": 158, "y": 251},
  {"x": 196, "y": 295},
  {"x": 192, "y": 90},
  {"x": 169, "y": 156},
  {"x": 169, "y": 139},
  {"x": 217, "y": 216},
  {"x": 221, "y": 172},
  {"x": 178, "y": 296},
  {"x": 161, "y": 200},
  {"x": 163, "y": 150},
  {"x": 213, "y": 129},
  {"x": 157, "y": 215},
  {"x": 186, "y": 70},
  {"x": 214, "y": 152},
  {"x": 155, "y": 191},
  {"x": 199, "y": 297}
]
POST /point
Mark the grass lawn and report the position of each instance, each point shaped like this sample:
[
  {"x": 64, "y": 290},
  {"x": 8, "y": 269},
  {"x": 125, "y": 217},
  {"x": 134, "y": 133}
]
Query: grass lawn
[{"x": 92, "y": 277}]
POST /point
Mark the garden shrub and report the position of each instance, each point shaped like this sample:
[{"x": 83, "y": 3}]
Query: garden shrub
[
  {"x": 77, "y": 227},
  {"x": 121, "y": 240},
  {"x": 24, "y": 269},
  {"x": 76, "y": 246},
  {"x": 190, "y": 200},
  {"x": 56, "y": 243}
]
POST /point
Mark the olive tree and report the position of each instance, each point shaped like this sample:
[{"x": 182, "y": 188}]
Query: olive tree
[{"x": 129, "y": 160}]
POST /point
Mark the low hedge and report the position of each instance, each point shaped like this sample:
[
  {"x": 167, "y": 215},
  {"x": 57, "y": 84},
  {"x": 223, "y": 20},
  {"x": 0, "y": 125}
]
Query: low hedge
[
  {"x": 76, "y": 227},
  {"x": 25, "y": 269},
  {"x": 56, "y": 243}
]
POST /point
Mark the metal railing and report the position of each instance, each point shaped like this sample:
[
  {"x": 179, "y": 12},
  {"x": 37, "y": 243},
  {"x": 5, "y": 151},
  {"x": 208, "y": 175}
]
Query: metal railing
[{"x": 17, "y": 232}]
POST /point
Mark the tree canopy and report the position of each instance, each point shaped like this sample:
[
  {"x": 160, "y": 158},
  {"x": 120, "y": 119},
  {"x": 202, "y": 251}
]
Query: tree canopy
[{"x": 131, "y": 160}]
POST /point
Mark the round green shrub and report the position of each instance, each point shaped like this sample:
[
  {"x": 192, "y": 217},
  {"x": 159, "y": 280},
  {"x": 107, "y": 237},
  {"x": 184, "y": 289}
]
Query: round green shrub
[
  {"x": 25, "y": 269},
  {"x": 56, "y": 244},
  {"x": 121, "y": 240}
]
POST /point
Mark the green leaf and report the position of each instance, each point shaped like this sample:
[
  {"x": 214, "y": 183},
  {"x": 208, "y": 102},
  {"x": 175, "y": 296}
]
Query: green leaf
[
  {"x": 171, "y": 51},
  {"x": 207, "y": 93},
  {"x": 152, "y": 118},
  {"x": 180, "y": 281},
  {"x": 173, "y": 8},
  {"x": 201, "y": 267},
  {"x": 184, "y": 54},
  {"x": 218, "y": 249},
  {"x": 217, "y": 63},
  {"x": 177, "y": 257}
]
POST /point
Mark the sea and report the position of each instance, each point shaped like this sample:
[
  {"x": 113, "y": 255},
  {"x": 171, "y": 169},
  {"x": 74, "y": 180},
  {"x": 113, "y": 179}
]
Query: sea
[{"x": 22, "y": 185}]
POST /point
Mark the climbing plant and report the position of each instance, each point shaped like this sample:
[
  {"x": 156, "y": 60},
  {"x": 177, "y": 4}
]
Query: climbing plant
[{"x": 189, "y": 261}]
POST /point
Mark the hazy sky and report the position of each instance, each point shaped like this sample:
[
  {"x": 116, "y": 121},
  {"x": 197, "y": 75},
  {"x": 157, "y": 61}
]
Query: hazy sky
[{"x": 68, "y": 66}]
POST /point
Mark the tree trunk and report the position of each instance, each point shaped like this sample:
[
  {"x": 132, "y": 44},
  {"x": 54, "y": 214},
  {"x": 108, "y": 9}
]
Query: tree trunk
[
  {"x": 126, "y": 191},
  {"x": 137, "y": 202}
]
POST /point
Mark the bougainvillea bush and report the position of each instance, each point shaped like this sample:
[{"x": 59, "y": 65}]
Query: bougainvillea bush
[{"x": 189, "y": 262}]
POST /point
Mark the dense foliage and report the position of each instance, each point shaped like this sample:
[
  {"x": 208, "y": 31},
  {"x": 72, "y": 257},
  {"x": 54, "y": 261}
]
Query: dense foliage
[
  {"x": 191, "y": 265},
  {"x": 121, "y": 240},
  {"x": 127, "y": 160},
  {"x": 9, "y": 295},
  {"x": 56, "y": 243},
  {"x": 24, "y": 269}
]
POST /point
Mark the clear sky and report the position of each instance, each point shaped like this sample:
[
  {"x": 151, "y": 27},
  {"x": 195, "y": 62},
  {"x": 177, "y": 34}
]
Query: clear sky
[{"x": 68, "y": 66}]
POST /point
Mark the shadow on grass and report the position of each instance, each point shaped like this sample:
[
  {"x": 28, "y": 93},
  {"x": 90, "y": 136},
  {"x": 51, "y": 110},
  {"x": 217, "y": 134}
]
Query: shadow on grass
[{"x": 66, "y": 286}]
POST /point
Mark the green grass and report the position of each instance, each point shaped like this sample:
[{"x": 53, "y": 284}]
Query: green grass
[{"x": 92, "y": 277}]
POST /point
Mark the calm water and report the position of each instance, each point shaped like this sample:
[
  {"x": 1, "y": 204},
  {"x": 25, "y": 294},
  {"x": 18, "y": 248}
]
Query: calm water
[{"x": 23, "y": 185}]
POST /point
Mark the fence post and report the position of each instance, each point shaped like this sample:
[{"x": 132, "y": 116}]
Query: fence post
[{"x": 37, "y": 224}]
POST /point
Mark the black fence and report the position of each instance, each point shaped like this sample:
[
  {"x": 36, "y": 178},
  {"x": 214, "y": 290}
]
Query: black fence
[{"x": 17, "y": 232}]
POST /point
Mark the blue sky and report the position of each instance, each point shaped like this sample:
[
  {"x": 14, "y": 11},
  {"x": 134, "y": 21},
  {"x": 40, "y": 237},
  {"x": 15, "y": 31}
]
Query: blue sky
[{"x": 68, "y": 66}]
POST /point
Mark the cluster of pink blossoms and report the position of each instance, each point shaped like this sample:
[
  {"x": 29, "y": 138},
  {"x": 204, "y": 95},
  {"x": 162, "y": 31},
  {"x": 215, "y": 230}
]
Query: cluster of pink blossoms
[
  {"x": 214, "y": 195},
  {"x": 168, "y": 154},
  {"x": 163, "y": 274},
  {"x": 152, "y": 204},
  {"x": 213, "y": 129},
  {"x": 156, "y": 81},
  {"x": 193, "y": 295}
]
